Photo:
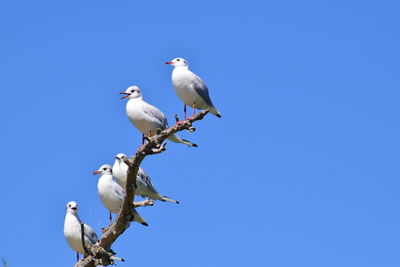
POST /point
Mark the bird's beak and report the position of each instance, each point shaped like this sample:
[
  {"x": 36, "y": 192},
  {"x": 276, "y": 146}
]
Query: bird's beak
[
  {"x": 124, "y": 93},
  {"x": 169, "y": 63},
  {"x": 96, "y": 172},
  {"x": 74, "y": 208},
  {"x": 117, "y": 157}
]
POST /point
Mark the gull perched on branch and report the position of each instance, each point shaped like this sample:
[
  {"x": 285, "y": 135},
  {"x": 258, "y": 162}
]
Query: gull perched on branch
[
  {"x": 112, "y": 194},
  {"x": 147, "y": 118},
  {"x": 72, "y": 230},
  {"x": 190, "y": 88},
  {"x": 145, "y": 187}
]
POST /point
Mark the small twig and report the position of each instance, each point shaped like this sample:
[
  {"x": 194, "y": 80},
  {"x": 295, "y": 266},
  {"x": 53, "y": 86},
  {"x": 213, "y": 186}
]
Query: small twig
[
  {"x": 143, "y": 203},
  {"x": 161, "y": 148}
]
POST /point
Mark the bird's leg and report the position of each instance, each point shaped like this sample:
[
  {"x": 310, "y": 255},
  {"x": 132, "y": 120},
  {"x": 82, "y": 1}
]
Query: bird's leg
[
  {"x": 110, "y": 218},
  {"x": 77, "y": 257},
  {"x": 142, "y": 139},
  {"x": 194, "y": 109},
  {"x": 184, "y": 116}
]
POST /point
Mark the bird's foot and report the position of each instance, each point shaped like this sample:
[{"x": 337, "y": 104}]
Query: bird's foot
[{"x": 179, "y": 122}]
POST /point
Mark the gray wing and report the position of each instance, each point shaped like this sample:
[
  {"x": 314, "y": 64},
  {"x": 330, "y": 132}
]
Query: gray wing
[
  {"x": 201, "y": 88},
  {"x": 157, "y": 114},
  {"x": 145, "y": 179},
  {"x": 118, "y": 191},
  {"x": 90, "y": 234}
]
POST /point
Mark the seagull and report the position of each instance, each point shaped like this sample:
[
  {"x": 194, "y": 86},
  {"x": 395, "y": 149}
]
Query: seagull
[
  {"x": 190, "y": 88},
  {"x": 147, "y": 118},
  {"x": 112, "y": 194},
  {"x": 72, "y": 230},
  {"x": 145, "y": 187}
]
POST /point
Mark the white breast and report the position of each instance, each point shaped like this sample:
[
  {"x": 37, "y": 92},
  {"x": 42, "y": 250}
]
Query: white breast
[
  {"x": 119, "y": 171},
  {"x": 109, "y": 193},
  {"x": 72, "y": 232},
  {"x": 142, "y": 121}
]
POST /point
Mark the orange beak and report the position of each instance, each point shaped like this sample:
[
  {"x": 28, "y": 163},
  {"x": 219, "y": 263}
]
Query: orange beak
[
  {"x": 96, "y": 172},
  {"x": 123, "y": 93},
  {"x": 169, "y": 63}
]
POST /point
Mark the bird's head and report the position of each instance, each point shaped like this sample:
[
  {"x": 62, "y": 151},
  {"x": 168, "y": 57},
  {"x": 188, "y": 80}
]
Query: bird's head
[
  {"x": 132, "y": 92},
  {"x": 178, "y": 62},
  {"x": 72, "y": 207},
  {"x": 104, "y": 169},
  {"x": 120, "y": 157}
]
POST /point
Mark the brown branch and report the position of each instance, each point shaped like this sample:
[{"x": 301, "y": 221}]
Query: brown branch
[
  {"x": 153, "y": 146},
  {"x": 158, "y": 150},
  {"x": 86, "y": 262}
]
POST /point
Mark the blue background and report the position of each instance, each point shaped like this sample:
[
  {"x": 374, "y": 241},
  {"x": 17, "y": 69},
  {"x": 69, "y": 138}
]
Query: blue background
[{"x": 302, "y": 170}]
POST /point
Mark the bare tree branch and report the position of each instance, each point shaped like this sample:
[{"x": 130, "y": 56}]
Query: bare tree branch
[
  {"x": 153, "y": 146},
  {"x": 86, "y": 262}
]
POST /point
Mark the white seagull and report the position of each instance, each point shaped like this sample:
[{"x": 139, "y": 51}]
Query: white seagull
[
  {"x": 112, "y": 194},
  {"x": 145, "y": 187},
  {"x": 72, "y": 230},
  {"x": 147, "y": 118},
  {"x": 190, "y": 88}
]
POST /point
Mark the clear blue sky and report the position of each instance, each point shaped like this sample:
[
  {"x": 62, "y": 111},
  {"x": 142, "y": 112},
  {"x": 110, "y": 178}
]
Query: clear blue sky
[{"x": 301, "y": 171}]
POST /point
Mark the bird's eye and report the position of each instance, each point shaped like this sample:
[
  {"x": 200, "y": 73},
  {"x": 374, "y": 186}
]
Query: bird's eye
[
  {"x": 104, "y": 169},
  {"x": 69, "y": 206},
  {"x": 178, "y": 59},
  {"x": 132, "y": 91}
]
